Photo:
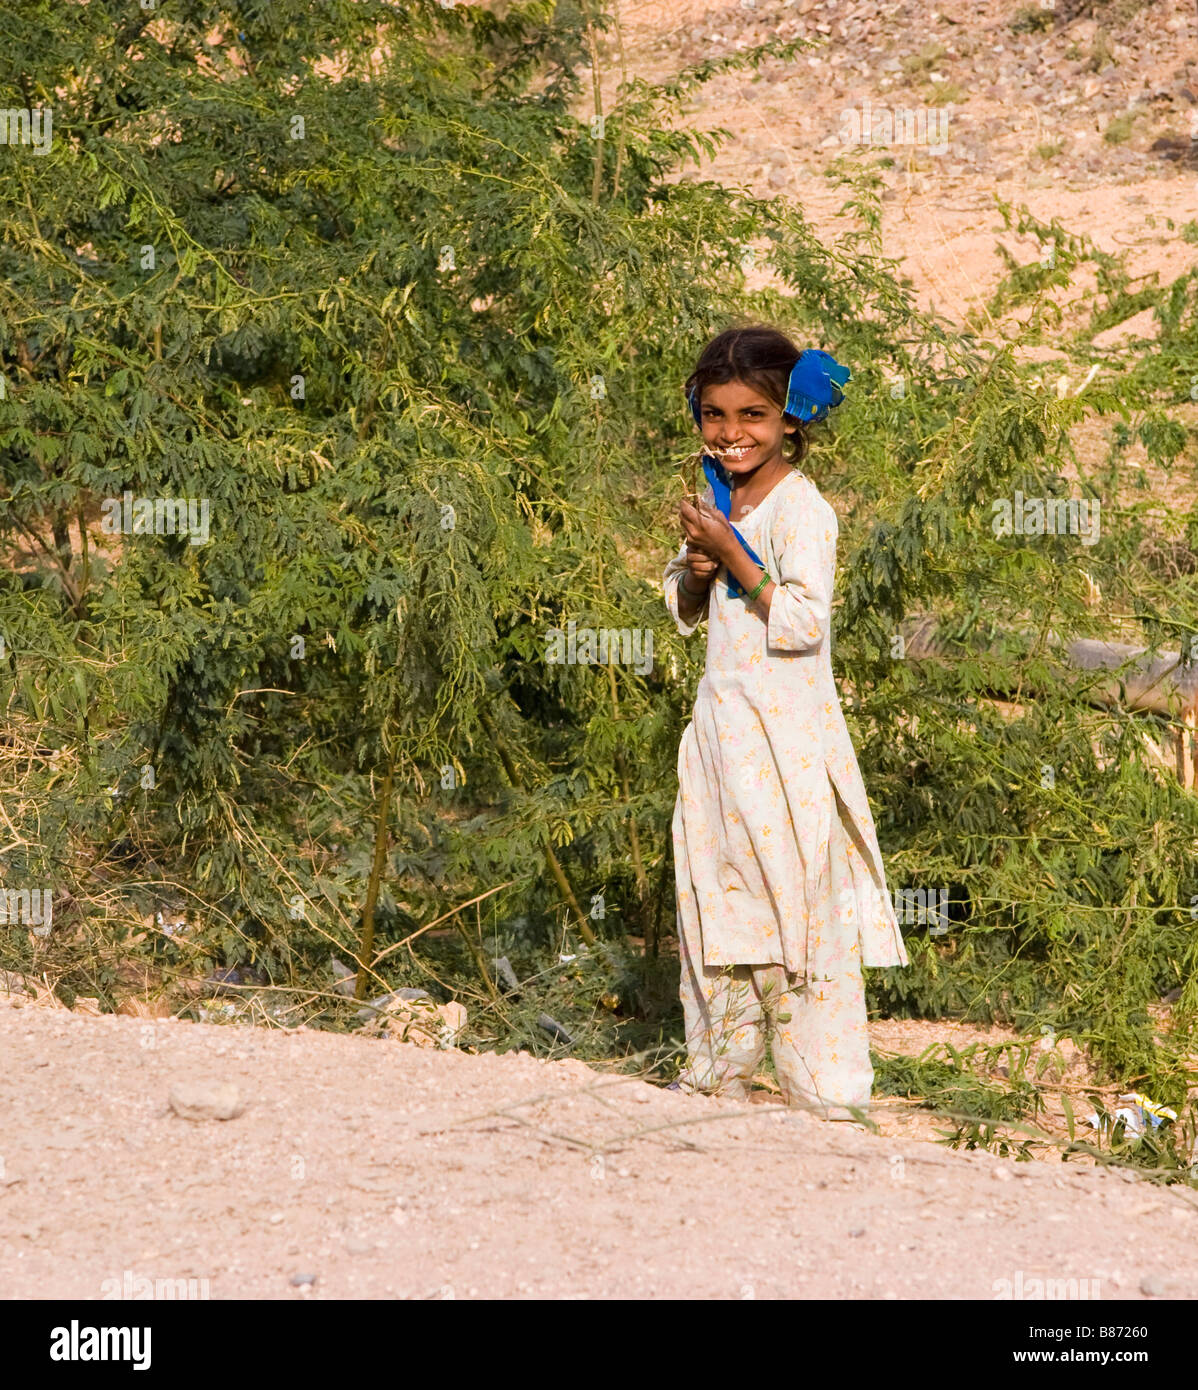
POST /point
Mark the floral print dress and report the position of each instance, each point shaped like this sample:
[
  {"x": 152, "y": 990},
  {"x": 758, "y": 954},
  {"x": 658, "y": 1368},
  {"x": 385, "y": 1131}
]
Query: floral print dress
[{"x": 776, "y": 856}]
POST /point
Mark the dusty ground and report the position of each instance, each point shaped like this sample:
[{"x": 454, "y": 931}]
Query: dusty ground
[
  {"x": 1029, "y": 120},
  {"x": 384, "y": 1170}
]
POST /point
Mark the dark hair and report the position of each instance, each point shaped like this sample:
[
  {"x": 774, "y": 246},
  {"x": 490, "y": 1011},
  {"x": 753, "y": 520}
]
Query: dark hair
[{"x": 761, "y": 357}]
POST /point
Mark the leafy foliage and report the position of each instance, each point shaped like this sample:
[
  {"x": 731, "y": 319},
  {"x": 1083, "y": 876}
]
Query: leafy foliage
[{"x": 367, "y": 280}]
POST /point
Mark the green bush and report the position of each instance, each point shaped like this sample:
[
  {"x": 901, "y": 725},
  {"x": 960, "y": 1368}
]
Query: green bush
[{"x": 415, "y": 332}]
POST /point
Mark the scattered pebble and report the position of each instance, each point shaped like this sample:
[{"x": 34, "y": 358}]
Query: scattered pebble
[
  {"x": 206, "y": 1100},
  {"x": 385, "y": 1003},
  {"x": 554, "y": 1029}
]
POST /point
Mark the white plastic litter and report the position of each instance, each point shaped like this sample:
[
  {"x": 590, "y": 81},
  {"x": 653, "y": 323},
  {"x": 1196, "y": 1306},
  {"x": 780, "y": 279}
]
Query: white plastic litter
[{"x": 1137, "y": 1114}]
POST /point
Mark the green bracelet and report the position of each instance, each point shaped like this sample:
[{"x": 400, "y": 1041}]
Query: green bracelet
[{"x": 765, "y": 579}]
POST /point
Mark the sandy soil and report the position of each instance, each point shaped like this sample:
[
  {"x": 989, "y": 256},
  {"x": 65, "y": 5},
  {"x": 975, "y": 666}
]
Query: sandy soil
[
  {"x": 379, "y": 1169},
  {"x": 1028, "y": 123}
]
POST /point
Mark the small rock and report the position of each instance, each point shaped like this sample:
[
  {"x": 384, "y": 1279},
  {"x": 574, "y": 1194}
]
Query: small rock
[
  {"x": 860, "y": 1231},
  {"x": 11, "y": 983},
  {"x": 219, "y": 977},
  {"x": 385, "y": 1003},
  {"x": 505, "y": 974},
  {"x": 344, "y": 978},
  {"x": 1001, "y": 1173},
  {"x": 206, "y": 1100},
  {"x": 1153, "y": 1286},
  {"x": 300, "y": 1281},
  {"x": 554, "y": 1029},
  {"x": 422, "y": 1021}
]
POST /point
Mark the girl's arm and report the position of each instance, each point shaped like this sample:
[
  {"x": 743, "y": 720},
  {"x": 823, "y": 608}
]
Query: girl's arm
[
  {"x": 694, "y": 586},
  {"x": 804, "y": 545},
  {"x": 707, "y": 527},
  {"x": 748, "y": 576},
  {"x": 688, "y": 580},
  {"x": 688, "y": 571},
  {"x": 795, "y": 602}
]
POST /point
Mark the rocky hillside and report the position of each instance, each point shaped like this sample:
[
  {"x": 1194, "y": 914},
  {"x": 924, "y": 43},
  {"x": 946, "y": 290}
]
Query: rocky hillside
[{"x": 1086, "y": 112}]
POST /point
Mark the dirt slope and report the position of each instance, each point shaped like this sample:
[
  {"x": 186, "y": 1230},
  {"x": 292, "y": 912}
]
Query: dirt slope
[
  {"x": 362, "y": 1163},
  {"x": 1088, "y": 122}
]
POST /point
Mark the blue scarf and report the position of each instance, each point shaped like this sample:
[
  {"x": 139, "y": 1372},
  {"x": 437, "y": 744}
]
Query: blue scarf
[{"x": 721, "y": 485}]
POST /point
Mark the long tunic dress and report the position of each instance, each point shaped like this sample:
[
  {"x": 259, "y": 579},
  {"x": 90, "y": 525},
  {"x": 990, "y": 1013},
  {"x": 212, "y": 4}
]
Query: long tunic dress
[{"x": 766, "y": 763}]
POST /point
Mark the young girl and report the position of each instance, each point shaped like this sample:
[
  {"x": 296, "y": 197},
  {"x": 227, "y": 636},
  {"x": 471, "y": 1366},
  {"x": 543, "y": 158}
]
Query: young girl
[{"x": 780, "y": 887}]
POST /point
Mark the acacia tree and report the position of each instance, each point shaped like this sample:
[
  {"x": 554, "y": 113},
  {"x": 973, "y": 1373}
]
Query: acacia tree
[{"x": 370, "y": 281}]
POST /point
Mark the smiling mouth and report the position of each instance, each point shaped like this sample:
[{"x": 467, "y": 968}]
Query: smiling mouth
[{"x": 738, "y": 453}]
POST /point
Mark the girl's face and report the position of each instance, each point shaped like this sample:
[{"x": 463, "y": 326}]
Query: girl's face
[{"x": 741, "y": 427}]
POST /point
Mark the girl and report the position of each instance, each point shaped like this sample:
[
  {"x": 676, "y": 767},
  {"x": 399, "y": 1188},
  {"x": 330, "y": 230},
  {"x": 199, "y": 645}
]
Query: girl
[{"x": 780, "y": 887}]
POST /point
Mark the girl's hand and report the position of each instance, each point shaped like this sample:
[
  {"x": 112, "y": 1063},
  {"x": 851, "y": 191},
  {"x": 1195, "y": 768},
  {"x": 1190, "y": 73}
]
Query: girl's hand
[
  {"x": 707, "y": 530},
  {"x": 700, "y": 571}
]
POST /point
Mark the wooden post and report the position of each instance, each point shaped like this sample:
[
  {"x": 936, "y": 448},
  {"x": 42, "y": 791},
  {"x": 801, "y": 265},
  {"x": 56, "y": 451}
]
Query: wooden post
[
  {"x": 1163, "y": 684},
  {"x": 1187, "y": 735}
]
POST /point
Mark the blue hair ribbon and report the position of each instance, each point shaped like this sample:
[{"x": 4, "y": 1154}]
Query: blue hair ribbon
[{"x": 814, "y": 388}]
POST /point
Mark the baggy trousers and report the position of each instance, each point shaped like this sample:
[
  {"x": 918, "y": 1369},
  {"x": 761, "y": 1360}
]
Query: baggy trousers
[
  {"x": 816, "y": 1023},
  {"x": 818, "y": 1034}
]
